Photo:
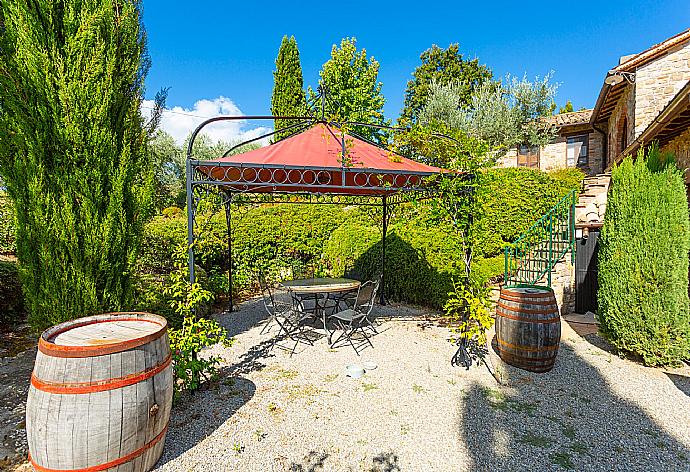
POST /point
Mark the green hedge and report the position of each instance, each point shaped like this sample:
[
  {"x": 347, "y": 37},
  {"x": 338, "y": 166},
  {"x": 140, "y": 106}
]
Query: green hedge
[
  {"x": 512, "y": 199},
  {"x": 305, "y": 240},
  {"x": 643, "y": 262}
]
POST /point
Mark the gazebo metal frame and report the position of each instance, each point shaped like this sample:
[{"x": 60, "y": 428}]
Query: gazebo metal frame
[{"x": 250, "y": 183}]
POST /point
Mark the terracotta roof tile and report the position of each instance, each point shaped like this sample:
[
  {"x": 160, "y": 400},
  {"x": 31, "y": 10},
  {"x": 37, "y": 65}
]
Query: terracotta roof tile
[{"x": 573, "y": 118}]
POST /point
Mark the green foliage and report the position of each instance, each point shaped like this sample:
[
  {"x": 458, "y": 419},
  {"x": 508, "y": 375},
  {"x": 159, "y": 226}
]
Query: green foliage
[
  {"x": 288, "y": 97},
  {"x": 437, "y": 144},
  {"x": 643, "y": 261},
  {"x": 442, "y": 66},
  {"x": 8, "y": 243},
  {"x": 567, "y": 108},
  {"x": 423, "y": 249},
  {"x": 351, "y": 80},
  {"x": 512, "y": 199},
  {"x": 469, "y": 310},
  {"x": 73, "y": 150},
  {"x": 168, "y": 162},
  {"x": 191, "y": 370},
  {"x": 11, "y": 298},
  {"x": 197, "y": 333},
  {"x": 512, "y": 112}
]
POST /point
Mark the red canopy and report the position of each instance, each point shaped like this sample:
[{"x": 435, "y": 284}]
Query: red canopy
[{"x": 313, "y": 161}]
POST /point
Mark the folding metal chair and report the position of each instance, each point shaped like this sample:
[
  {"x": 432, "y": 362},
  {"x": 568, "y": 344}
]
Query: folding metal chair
[{"x": 356, "y": 320}]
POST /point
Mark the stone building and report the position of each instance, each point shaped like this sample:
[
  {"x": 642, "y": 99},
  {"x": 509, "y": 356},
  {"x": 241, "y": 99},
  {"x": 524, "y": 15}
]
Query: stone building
[
  {"x": 645, "y": 98},
  {"x": 577, "y": 145}
]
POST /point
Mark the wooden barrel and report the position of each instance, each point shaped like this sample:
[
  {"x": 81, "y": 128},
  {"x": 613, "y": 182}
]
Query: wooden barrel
[
  {"x": 528, "y": 328},
  {"x": 100, "y": 394}
]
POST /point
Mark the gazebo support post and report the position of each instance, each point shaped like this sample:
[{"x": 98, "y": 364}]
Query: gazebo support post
[
  {"x": 190, "y": 221},
  {"x": 228, "y": 221},
  {"x": 384, "y": 229}
]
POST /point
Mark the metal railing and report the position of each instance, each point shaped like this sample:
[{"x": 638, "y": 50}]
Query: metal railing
[{"x": 535, "y": 253}]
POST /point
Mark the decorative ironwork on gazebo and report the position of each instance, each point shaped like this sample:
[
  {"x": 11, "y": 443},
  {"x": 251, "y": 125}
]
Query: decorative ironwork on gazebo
[{"x": 318, "y": 163}]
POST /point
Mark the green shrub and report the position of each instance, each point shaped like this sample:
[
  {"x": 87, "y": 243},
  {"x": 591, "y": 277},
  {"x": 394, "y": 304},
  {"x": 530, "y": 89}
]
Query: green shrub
[
  {"x": 512, "y": 199},
  {"x": 11, "y": 297},
  {"x": 292, "y": 240},
  {"x": 643, "y": 261}
]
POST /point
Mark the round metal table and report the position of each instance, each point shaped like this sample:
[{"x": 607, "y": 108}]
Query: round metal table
[{"x": 333, "y": 289}]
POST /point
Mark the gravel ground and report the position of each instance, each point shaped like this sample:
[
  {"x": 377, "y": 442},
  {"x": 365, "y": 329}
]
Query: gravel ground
[{"x": 273, "y": 412}]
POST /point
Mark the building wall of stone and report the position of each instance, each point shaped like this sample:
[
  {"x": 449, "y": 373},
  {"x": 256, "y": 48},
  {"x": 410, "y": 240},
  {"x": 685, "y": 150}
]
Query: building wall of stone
[
  {"x": 509, "y": 159},
  {"x": 624, "y": 108},
  {"x": 657, "y": 83},
  {"x": 554, "y": 155}
]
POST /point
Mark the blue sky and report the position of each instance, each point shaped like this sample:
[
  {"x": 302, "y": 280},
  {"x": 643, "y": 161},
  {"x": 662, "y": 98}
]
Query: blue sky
[{"x": 211, "y": 49}]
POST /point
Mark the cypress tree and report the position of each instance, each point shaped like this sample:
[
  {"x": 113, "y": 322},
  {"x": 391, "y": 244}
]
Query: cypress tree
[
  {"x": 643, "y": 261},
  {"x": 288, "y": 97},
  {"x": 73, "y": 150}
]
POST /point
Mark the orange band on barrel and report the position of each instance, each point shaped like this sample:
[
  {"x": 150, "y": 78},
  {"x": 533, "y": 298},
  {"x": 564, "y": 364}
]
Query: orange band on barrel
[
  {"x": 100, "y": 385},
  {"x": 532, "y": 312},
  {"x": 527, "y": 348},
  {"x": 107, "y": 465},
  {"x": 520, "y": 318},
  {"x": 550, "y": 301}
]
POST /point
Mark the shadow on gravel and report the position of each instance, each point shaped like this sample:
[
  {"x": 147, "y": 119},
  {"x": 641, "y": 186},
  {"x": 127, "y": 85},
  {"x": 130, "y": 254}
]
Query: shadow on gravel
[
  {"x": 565, "y": 419},
  {"x": 682, "y": 382},
  {"x": 198, "y": 415}
]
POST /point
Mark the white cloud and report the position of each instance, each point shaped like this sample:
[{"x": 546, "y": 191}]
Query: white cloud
[{"x": 179, "y": 122}]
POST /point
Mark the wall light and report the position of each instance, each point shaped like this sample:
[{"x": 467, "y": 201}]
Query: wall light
[{"x": 615, "y": 77}]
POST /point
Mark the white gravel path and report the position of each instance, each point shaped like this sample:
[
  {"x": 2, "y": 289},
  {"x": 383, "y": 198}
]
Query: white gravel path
[{"x": 272, "y": 412}]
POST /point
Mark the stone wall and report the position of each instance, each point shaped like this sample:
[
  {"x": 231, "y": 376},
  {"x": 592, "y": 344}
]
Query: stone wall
[
  {"x": 554, "y": 155},
  {"x": 563, "y": 284},
  {"x": 658, "y": 82},
  {"x": 624, "y": 108}
]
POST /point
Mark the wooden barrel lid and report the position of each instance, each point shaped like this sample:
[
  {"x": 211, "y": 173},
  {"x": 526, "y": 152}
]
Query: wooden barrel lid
[
  {"x": 102, "y": 334},
  {"x": 529, "y": 290}
]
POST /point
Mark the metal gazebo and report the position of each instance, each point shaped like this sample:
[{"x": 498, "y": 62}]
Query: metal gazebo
[{"x": 319, "y": 163}]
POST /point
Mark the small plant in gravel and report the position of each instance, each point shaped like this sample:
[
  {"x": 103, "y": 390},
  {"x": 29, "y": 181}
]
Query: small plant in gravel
[
  {"x": 330, "y": 377},
  {"x": 418, "y": 389},
  {"x": 535, "y": 440},
  {"x": 238, "y": 448},
  {"x": 563, "y": 459},
  {"x": 196, "y": 333},
  {"x": 568, "y": 431},
  {"x": 578, "y": 447},
  {"x": 283, "y": 374},
  {"x": 295, "y": 392},
  {"x": 404, "y": 429},
  {"x": 260, "y": 435},
  {"x": 369, "y": 386}
]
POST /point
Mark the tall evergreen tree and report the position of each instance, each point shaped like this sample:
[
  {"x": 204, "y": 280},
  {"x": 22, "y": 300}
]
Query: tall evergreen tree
[
  {"x": 353, "y": 89},
  {"x": 288, "y": 97},
  {"x": 73, "y": 150},
  {"x": 443, "y": 67}
]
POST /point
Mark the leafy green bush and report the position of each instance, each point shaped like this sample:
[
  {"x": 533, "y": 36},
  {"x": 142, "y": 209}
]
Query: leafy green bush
[
  {"x": 643, "y": 261},
  {"x": 512, "y": 199},
  {"x": 11, "y": 297},
  {"x": 186, "y": 300}
]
